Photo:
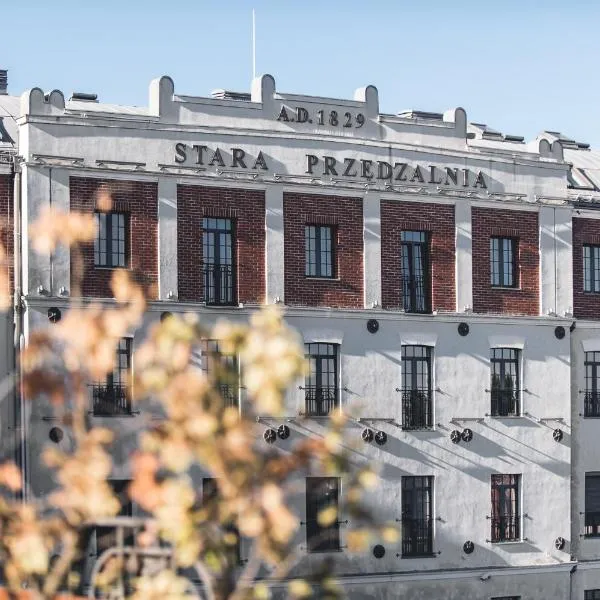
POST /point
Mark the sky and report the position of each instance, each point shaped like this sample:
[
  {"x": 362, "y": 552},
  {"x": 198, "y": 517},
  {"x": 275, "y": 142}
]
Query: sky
[{"x": 519, "y": 66}]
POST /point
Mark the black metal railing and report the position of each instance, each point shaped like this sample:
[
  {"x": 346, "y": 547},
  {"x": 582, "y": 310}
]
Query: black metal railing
[
  {"x": 506, "y": 529},
  {"x": 415, "y": 295},
  {"x": 505, "y": 403},
  {"x": 322, "y": 539},
  {"x": 320, "y": 401},
  {"x": 417, "y": 537},
  {"x": 230, "y": 394},
  {"x": 110, "y": 400},
  {"x": 219, "y": 285},
  {"x": 417, "y": 408},
  {"x": 591, "y": 404},
  {"x": 592, "y": 524}
]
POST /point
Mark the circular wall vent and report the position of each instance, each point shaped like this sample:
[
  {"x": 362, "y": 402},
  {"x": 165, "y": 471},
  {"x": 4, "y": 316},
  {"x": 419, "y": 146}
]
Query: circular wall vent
[
  {"x": 468, "y": 547},
  {"x": 367, "y": 435},
  {"x": 455, "y": 436},
  {"x": 466, "y": 435},
  {"x": 54, "y": 314},
  {"x": 463, "y": 329},
  {"x": 559, "y": 543},
  {"x": 56, "y": 435},
  {"x": 165, "y": 315},
  {"x": 557, "y": 434},
  {"x": 379, "y": 551},
  {"x": 269, "y": 436},
  {"x": 381, "y": 437},
  {"x": 372, "y": 325},
  {"x": 283, "y": 431},
  {"x": 559, "y": 332}
]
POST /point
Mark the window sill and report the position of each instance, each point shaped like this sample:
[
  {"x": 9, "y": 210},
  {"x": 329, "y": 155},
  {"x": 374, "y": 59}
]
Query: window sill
[
  {"x": 116, "y": 416},
  {"x": 508, "y": 542},
  {"x": 105, "y": 268},
  {"x": 324, "y": 551},
  {"x": 506, "y": 288},
  {"x": 498, "y": 417},
  {"x": 591, "y": 536},
  {"x": 417, "y": 429},
  {"x": 317, "y": 278},
  {"x": 412, "y": 556}
]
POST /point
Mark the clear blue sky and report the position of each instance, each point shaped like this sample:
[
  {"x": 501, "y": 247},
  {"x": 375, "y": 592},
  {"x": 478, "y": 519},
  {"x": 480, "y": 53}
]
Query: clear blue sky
[{"x": 519, "y": 66}]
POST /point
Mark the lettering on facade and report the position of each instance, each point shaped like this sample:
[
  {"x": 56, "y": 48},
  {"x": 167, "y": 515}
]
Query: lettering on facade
[
  {"x": 329, "y": 118},
  {"x": 397, "y": 171},
  {"x": 329, "y": 166},
  {"x": 235, "y": 159}
]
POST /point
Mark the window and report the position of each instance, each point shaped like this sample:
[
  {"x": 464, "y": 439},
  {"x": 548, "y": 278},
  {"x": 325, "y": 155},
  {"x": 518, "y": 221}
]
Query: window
[
  {"x": 417, "y": 522},
  {"x": 217, "y": 261},
  {"x": 591, "y": 595},
  {"x": 318, "y": 241},
  {"x": 415, "y": 271},
  {"x": 503, "y": 266},
  {"x": 222, "y": 367},
  {"x": 592, "y": 375},
  {"x": 321, "y": 390},
  {"x": 111, "y": 246},
  {"x": 505, "y": 519},
  {"x": 592, "y": 505},
  {"x": 505, "y": 391},
  {"x": 210, "y": 495},
  {"x": 111, "y": 397},
  {"x": 416, "y": 387},
  {"x": 106, "y": 537},
  {"x": 321, "y": 493},
  {"x": 591, "y": 268}
]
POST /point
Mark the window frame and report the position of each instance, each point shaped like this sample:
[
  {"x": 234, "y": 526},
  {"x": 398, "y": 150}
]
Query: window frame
[
  {"x": 591, "y": 594},
  {"x": 319, "y": 252},
  {"x": 591, "y": 398},
  {"x": 415, "y": 298},
  {"x": 210, "y": 491},
  {"x": 497, "y": 258},
  {"x": 115, "y": 391},
  {"x": 495, "y": 391},
  {"x": 514, "y": 526},
  {"x": 331, "y": 542},
  {"x": 109, "y": 241},
  {"x": 591, "y": 518},
  {"x": 417, "y": 400},
  {"x": 591, "y": 274},
  {"x": 104, "y": 535},
  {"x": 417, "y": 531},
  {"x": 329, "y": 394},
  {"x": 211, "y": 353},
  {"x": 219, "y": 289}
]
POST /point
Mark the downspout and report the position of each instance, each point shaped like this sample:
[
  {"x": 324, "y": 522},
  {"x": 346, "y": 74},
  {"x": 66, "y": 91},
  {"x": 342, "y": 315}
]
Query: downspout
[{"x": 19, "y": 413}]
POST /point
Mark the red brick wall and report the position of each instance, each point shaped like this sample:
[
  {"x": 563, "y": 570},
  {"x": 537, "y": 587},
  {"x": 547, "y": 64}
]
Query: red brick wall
[
  {"x": 6, "y": 226},
  {"x": 346, "y": 216},
  {"x": 140, "y": 200},
  {"x": 586, "y": 305},
  {"x": 438, "y": 220},
  {"x": 523, "y": 225},
  {"x": 247, "y": 209}
]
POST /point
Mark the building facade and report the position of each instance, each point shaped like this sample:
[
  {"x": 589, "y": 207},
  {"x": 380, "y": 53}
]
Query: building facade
[{"x": 444, "y": 277}]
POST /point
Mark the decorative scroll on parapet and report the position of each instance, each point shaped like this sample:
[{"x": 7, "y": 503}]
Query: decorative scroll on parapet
[
  {"x": 161, "y": 94},
  {"x": 458, "y": 116},
  {"x": 548, "y": 148},
  {"x": 35, "y": 102}
]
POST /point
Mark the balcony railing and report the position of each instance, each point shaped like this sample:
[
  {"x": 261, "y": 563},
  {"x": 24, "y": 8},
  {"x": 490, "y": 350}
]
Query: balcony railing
[
  {"x": 506, "y": 529},
  {"x": 417, "y": 537},
  {"x": 417, "y": 408},
  {"x": 415, "y": 296},
  {"x": 592, "y": 524},
  {"x": 320, "y": 401},
  {"x": 505, "y": 403},
  {"x": 230, "y": 395},
  {"x": 110, "y": 400},
  {"x": 218, "y": 284},
  {"x": 591, "y": 404}
]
